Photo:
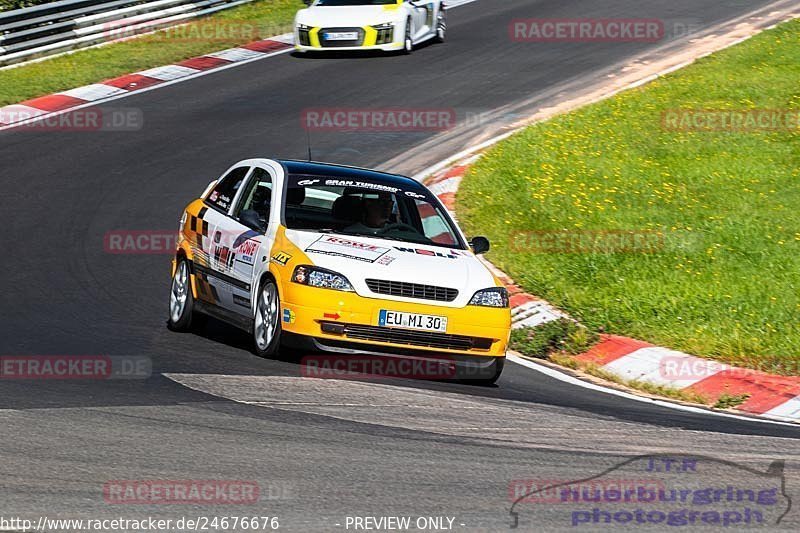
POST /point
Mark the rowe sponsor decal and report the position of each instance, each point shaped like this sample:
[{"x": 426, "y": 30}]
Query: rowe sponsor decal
[
  {"x": 332, "y": 245},
  {"x": 169, "y": 492},
  {"x": 245, "y": 248}
]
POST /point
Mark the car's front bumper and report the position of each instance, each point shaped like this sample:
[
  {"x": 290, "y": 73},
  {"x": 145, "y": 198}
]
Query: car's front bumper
[
  {"x": 310, "y": 40},
  {"x": 347, "y": 320},
  {"x": 392, "y": 47}
]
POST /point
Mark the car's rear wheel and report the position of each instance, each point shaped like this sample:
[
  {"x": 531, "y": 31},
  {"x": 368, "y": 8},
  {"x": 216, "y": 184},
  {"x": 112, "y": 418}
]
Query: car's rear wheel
[
  {"x": 267, "y": 324},
  {"x": 408, "y": 43},
  {"x": 441, "y": 26},
  {"x": 181, "y": 299}
]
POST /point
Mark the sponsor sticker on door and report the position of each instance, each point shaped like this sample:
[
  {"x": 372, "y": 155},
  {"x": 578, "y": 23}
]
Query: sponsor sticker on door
[{"x": 332, "y": 245}]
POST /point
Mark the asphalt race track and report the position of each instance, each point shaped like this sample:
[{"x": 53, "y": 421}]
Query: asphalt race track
[{"x": 319, "y": 451}]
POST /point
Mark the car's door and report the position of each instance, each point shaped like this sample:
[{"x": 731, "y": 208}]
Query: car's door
[
  {"x": 242, "y": 241},
  {"x": 210, "y": 260}
]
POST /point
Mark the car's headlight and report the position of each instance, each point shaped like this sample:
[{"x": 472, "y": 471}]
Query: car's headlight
[
  {"x": 494, "y": 297},
  {"x": 385, "y": 33},
  {"x": 319, "y": 277}
]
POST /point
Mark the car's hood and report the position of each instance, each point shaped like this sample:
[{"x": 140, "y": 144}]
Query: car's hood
[
  {"x": 360, "y": 258},
  {"x": 347, "y": 16}
]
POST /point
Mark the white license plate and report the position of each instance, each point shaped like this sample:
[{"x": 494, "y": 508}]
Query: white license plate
[
  {"x": 396, "y": 319},
  {"x": 341, "y": 36}
]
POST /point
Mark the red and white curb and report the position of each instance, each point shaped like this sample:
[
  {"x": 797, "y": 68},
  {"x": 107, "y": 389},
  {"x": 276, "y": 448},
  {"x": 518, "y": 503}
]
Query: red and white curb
[
  {"x": 526, "y": 310},
  {"x": 45, "y": 106},
  {"x": 770, "y": 396}
]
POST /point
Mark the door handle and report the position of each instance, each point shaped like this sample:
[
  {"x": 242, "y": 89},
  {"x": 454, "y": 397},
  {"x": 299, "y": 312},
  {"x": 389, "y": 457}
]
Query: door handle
[{"x": 217, "y": 237}]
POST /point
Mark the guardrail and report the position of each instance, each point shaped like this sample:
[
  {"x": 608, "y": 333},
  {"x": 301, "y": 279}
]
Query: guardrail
[{"x": 57, "y": 27}]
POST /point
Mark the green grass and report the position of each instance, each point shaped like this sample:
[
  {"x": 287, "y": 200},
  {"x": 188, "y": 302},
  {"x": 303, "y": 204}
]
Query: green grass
[
  {"x": 727, "y": 401},
  {"x": 725, "y": 281},
  {"x": 557, "y": 336},
  {"x": 236, "y": 26},
  {"x": 8, "y": 5}
]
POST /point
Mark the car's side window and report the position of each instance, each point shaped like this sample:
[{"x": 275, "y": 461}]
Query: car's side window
[
  {"x": 257, "y": 197},
  {"x": 225, "y": 190},
  {"x": 434, "y": 226}
]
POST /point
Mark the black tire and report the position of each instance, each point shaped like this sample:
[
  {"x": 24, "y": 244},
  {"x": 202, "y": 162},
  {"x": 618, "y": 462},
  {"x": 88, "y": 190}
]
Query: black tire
[
  {"x": 408, "y": 44},
  {"x": 181, "y": 298},
  {"x": 267, "y": 320},
  {"x": 441, "y": 26}
]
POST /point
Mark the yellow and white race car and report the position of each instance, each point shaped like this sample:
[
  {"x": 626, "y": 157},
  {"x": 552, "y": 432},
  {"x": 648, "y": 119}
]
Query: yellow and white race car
[
  {"x": 388, "y": 25},
  {"x": 338, "y": 259}
]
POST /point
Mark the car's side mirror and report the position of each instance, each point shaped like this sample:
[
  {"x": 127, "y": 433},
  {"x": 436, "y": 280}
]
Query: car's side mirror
[
  {"x": 479, "y": 245},
  {"x": 250, "y": 218}
]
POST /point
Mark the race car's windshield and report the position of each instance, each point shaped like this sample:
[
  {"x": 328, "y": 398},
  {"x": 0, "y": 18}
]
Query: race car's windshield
[
  {"x": 367, "y": 208},
  {"x": 355, "y": 2}
]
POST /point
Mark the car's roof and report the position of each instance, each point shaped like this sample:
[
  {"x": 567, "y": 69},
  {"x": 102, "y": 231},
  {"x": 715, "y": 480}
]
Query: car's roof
[{"x": 314, "y": 168}]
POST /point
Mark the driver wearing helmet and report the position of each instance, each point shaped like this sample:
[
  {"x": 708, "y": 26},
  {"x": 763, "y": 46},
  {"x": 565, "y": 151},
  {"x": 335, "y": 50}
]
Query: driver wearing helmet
[{"x": 376, "y": 212}]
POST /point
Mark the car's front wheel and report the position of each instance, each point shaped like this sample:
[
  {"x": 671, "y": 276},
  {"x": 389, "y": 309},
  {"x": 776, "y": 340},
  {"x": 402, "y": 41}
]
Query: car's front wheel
[
  {"x": 441, "y": 26},
  {"x": 408, "y": 42},
  {"x": 267, "y": 324},
  {"x": 181, "y": 299}
]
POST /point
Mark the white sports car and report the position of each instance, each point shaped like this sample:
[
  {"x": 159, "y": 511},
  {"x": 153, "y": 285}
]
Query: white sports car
[{"x": 389, "y": 25}]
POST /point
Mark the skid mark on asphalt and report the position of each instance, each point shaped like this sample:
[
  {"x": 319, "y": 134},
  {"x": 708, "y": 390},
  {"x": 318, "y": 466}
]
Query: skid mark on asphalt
[{"x": 504, "y": 422}]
